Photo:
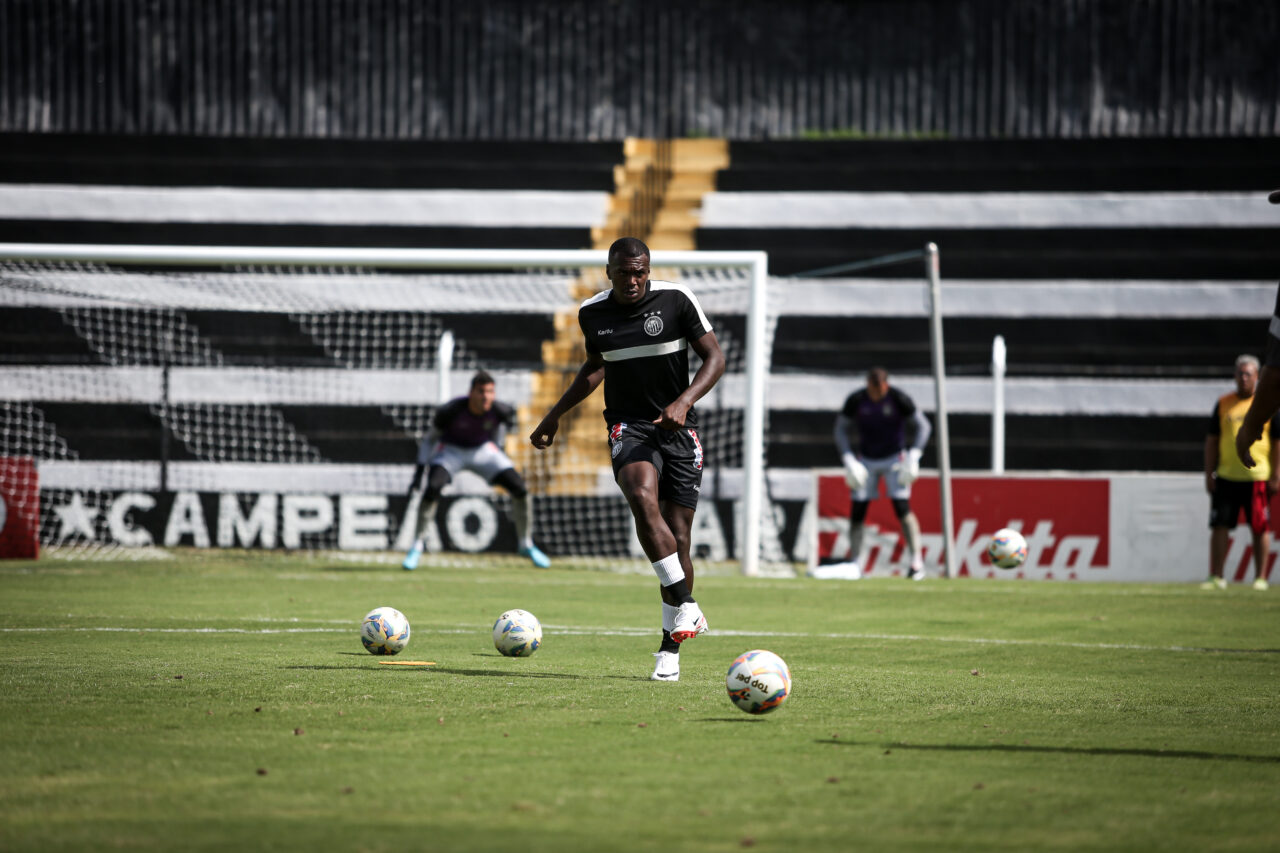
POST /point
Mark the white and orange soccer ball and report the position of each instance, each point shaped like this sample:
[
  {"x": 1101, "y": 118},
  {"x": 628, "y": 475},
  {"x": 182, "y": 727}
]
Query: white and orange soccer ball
[
  {"x": 758, "y": 681},
  {"x": 384, "y": 631},
  {"x": 517, "y": 633},
  {"x": 1007, "y": 549}
]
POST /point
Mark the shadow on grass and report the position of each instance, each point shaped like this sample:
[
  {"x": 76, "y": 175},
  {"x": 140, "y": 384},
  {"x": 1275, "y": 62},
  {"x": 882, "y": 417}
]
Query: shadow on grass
[
  {"x": 735, "y": 720},
  {"x": 1066, "y": 750},
  {"x": 490, "y": 673},
  {"x": 494, "y": 673}
]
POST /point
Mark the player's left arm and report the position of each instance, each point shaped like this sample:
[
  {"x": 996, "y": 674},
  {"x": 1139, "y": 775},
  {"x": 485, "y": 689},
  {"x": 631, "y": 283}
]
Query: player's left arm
[
  {"x": 506, "y": 421},
  {"x": 1266, "y": 402},
  {"x": 922, "y": 428},
  {"x": 1273, "y": 482},
  {"x": 708, "y": 349}
]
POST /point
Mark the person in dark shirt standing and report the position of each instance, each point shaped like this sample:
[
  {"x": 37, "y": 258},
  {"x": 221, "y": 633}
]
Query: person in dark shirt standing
[
  {"x": 466, "y": 433},
  {"x": 879, "y": 418},
  {"x": 638, "y": 336}
]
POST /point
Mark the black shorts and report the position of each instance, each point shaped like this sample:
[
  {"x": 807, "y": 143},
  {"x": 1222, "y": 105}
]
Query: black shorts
[
  {"x": 677, "y": 454},
  {"x": 1230, "y": 497}
]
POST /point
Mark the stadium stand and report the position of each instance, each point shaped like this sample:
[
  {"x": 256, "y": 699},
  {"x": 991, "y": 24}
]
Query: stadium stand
[
  {"x": 308, "y": 192},
  {"x": 1099, "y": 261}
]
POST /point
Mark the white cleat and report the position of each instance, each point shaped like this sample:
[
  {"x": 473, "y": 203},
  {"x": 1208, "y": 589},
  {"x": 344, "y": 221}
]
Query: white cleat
[
  {"x": 849, "y": 571},
  {"x": 666, "y": 667},
  {"x": 689, "y": 622},
  {"x": 916, "y": 573}
]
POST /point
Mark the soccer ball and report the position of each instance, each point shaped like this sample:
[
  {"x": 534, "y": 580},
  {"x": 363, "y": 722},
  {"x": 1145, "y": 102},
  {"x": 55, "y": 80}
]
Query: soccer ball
[
  {"x": 384, "y": 631},
  {"x": 1007, "y": 549},
  {"x": 758, "y": 681},
  {"x": 517, "y": 633}
]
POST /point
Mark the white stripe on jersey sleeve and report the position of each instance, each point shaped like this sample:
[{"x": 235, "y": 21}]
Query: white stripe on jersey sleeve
[
  {"x": 672, "y": 285},
  {"x": 1274, "y": 328},
  {"x": 645, "y": 350},
  {"x": 592, "y": 300}
]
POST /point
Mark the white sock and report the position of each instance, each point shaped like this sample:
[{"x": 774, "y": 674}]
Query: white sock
[
  {"x": 669, "y": 570},
  {"x": 669, "y": 617},
  {"x": 526, "y": 542}
]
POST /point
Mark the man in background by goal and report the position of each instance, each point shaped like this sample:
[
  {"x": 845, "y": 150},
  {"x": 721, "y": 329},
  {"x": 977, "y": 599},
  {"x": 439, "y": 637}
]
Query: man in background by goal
[
  {"x": 878, "y": 419},
  {"x": 1232, "y": 487},
  {"x": 638, "y": 335},
  {"x": 466, "y": 433}
]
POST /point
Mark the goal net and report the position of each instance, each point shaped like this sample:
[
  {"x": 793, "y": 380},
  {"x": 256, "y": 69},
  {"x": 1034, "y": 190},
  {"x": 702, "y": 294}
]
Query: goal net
[{"x": 155, "y": 397}]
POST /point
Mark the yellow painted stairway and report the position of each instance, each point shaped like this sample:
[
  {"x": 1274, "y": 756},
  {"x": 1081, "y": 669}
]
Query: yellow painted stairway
[{"x": 658, "y": 191}]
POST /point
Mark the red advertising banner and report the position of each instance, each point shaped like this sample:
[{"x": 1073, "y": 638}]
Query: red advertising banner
[
  {"x": 19, "y": 509},
  {"x": 1066, "y": 523}
]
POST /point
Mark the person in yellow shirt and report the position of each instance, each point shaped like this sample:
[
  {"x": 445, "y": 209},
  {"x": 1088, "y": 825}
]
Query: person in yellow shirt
[{"x": 1234, "y": 488}]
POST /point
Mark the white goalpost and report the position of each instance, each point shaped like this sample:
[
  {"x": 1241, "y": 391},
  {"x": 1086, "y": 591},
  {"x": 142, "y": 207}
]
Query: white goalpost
[{"x": 231, "y": 358}]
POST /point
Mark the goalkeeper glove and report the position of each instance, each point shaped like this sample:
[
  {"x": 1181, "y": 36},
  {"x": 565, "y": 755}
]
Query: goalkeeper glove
[
  {"x": 908, "y": 467},
  {"x": 855, "y": 473}
]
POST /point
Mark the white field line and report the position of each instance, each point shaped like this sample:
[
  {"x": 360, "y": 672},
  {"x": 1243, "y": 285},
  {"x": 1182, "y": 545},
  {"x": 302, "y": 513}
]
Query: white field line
[{"x": 629, "y": 631}]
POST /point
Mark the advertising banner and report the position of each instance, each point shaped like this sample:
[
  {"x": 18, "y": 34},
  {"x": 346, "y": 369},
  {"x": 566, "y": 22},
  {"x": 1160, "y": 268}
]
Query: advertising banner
[
  {"x": 19, "y": 509},
  {"x": 1113, "y": 527}
]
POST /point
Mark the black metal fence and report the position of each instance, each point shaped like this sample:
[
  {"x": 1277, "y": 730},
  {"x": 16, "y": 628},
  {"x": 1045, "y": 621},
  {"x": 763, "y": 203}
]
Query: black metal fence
[{"x": 587, "y": 69}]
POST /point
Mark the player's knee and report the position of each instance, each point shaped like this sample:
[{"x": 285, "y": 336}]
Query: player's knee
[
  {"x": 511, "y": 480},
  {"x": 437, "y": 479},
  {"x": 901, "y": 507},
  {"x": 858, "y": 512}
]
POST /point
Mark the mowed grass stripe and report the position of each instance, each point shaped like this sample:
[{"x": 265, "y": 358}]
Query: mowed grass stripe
[{"x": 569, "y": 630}]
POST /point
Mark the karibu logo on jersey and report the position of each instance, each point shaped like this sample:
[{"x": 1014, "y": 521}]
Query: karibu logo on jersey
[{"x": 697, "y": 450}]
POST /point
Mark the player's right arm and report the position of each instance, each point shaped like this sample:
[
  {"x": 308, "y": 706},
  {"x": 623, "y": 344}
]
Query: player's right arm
[
  {"x": 589, "y": 377},
  {"x": 855, "y": 473}
]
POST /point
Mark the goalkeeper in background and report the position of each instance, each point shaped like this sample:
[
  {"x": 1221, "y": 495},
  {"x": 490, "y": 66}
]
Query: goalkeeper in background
[
  {"x": 466, "y": 433},
  {"x": 878, "y": 419}
]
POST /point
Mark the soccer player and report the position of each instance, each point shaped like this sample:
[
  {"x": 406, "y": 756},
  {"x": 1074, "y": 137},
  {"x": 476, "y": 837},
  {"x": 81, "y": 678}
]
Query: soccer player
[
  {"x": 466, "y": 433},
  {"x": 878, "y": 418},
  {"x": 638, "y": 335},
  {"x": 1266, "y": 397},
  {"x": 1232, "y": 487}
]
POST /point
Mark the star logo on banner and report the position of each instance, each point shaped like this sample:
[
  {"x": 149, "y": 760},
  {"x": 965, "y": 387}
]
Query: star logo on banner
[{"x": 74, "y": 517}]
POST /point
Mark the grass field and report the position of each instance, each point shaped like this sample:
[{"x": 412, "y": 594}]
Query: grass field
[{"x": 216, "y": 702}]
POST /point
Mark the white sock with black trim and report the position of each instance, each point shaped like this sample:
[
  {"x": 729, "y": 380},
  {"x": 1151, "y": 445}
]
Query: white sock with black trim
[{"x": 669, "y": 570}]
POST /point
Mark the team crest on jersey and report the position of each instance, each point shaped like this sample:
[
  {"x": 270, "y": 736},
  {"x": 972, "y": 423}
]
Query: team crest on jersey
[{"x": 653, "y": 325}]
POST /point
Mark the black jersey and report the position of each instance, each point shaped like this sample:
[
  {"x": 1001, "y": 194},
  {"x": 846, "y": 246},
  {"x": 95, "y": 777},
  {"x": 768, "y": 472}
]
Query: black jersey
[
  {"x": 645, "y": 348},
  {"x": 881, "y": 425},
  {"x": 458, "y": 426}
]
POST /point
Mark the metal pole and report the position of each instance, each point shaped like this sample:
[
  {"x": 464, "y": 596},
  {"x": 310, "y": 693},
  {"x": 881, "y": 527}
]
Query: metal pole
[
  {"x": 998, "y": 361},
  {"x": 940, "y": 400},
  {"x": 164, "y": 410},
  {"x": 753, "y": 420},
  {"x": 444, "y": 364}
]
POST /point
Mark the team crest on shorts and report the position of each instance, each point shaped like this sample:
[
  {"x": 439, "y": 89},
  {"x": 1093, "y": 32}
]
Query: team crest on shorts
[
  {"x": 615, "y": 438},
  {"x": 697, "y": 450},
  {"x": 653, "y": 325}
]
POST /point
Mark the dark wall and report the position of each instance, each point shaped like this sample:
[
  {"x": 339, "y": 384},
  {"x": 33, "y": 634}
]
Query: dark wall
[{"x": 585, "y": 70}]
